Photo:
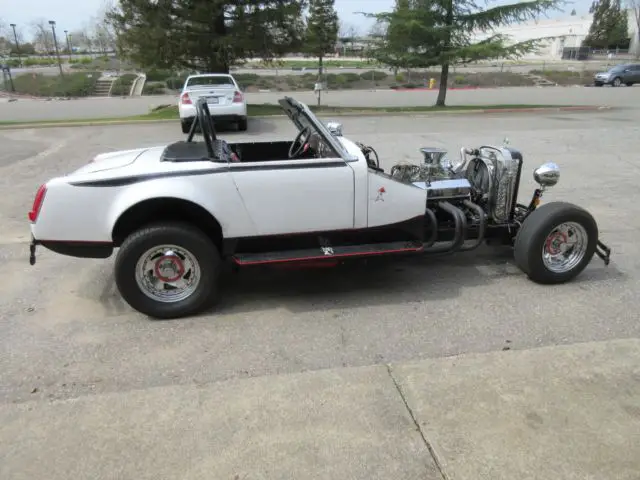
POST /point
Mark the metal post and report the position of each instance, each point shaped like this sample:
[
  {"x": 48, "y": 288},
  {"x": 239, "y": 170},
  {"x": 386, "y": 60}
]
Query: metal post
[
  {"x": 15, "y": 37},
  {"x": 66, "y": 33},
  {"x": 55, "y": 42}
]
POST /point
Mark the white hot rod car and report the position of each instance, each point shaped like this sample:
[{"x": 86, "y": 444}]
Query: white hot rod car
[{"x": 177, "y": 211}]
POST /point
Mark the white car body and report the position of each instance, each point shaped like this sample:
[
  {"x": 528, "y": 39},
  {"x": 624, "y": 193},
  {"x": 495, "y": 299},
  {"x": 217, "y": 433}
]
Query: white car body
[
  {"x": 225, "y": 99},
  {"x": 175, "y": 211}
]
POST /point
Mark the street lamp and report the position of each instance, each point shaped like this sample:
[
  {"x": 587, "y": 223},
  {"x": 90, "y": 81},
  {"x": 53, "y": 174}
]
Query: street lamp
[
  {"x": 55, "y": 42},
  {"x": 66, "y": 34},
  {"x": 15, "y": 36}
]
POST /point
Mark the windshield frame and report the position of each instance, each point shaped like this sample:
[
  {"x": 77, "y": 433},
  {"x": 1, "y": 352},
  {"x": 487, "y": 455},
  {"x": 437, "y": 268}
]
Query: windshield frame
[{"x": 302, "y": 117}]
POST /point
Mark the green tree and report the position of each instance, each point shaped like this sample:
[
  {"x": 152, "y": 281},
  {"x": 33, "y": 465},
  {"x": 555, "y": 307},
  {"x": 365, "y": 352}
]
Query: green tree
[
  {"x": 322, "y": 32},
  {"x": 397, "y": 35},
  {"x": 449, "y": 32},
  {"x": 207, "y": 35},
  {"x": 609, "y": 27}
]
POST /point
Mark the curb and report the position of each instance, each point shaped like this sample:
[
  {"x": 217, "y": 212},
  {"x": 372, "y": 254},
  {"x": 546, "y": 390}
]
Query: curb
[{"x": 353, "y": 113}]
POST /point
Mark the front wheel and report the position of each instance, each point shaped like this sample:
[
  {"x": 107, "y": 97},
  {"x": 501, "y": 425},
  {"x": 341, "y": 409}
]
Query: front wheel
[
  {"x": 616, "y": 82},
  {"x": 556, "y": 242},
  {"x": 168, "y": 270}
]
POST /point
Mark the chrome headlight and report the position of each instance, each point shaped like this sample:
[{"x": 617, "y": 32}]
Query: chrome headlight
[
  {"x": 335, "y": 128},
  {"x": 547, "y": 174}
]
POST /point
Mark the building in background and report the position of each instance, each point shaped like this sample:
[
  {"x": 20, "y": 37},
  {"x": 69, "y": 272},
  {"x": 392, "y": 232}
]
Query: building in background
[{"x": 565, "y": 37}]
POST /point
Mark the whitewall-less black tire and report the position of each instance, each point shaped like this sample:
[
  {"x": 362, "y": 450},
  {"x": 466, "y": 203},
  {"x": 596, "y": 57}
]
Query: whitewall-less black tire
[
  {"x": 556, "y": 242},
  {"x": 168, "y": 270}
]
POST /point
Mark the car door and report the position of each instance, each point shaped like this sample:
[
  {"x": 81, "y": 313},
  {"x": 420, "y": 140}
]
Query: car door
[
  {"x": 296, "y": 196},
  {"x": 635, "y": 74}
]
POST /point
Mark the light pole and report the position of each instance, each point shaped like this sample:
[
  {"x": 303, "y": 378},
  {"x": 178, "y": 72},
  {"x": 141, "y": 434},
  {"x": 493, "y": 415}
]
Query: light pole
[
  {"x": 55, "y": 42},
  {"x": 66, "y": 34},
  {"x": 15, "y": 37}
]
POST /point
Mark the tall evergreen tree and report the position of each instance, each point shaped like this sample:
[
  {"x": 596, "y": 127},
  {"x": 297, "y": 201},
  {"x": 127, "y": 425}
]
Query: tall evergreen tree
[
  {"x": 208, "y": 35},
  {"x": 449, "y": 32},
  {"x": 609, "y": 27}
]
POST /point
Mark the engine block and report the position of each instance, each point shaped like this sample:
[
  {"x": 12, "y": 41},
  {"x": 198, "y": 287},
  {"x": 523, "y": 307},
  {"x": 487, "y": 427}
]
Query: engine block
[{"x": 487, "y": 175}]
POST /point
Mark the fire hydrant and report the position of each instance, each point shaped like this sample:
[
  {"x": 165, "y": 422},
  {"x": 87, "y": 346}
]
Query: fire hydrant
[{"x": 432, "y": 82}]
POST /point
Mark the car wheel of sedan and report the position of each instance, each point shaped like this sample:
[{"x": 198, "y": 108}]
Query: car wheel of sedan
[
  {"x": 616, "y": 82},
  {"x": 242, "y": 124},
  {"x": 168, "y": 270},
  {"x": 629, "y": 84},
  {"x": 186, "y": 125},
  {"x": 556, "y": 242}
]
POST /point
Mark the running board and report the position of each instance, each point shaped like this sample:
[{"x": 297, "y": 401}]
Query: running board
[{"x": 328, "y": 253}]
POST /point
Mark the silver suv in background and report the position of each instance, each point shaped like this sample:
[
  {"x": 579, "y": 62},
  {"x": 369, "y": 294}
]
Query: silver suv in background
[{"x": 616, "y": 76}]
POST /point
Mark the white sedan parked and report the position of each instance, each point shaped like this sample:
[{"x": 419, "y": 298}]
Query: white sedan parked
[{"x": 225, "y": 99}]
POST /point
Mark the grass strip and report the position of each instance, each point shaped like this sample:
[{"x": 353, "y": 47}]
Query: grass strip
[{"x": 170, "y": 112}]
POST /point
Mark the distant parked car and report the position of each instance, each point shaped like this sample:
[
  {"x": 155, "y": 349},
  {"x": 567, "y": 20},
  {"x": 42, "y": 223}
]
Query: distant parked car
[
  {"x": 616, "y": 76},
  {"x": 225, "y": 99}
]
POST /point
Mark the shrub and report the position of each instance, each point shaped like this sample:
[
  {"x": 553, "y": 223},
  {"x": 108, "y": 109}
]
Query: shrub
[
  {"x": 247, "y": 78},
  {"x": 155, "y": 75},
  {"x": 71, "y": 85},
  {"x": 400, "y": 78},
  {"x": 153, "y": 88},
  {"x": 374, "y": 75},
  {"x": 122, "y": 86},
  {"x": 176, "y": 83},
  {"x": 459, "y": 79}
]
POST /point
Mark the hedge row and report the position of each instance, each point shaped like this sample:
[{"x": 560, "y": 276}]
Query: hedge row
[{"x": 70, "y": 85}]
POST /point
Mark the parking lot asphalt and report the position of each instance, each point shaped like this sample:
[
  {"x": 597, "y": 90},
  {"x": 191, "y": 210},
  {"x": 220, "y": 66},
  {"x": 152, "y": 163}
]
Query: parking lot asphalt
[
  {"x": 66, "y": 334},
  {"x": 30, "y": 110}
]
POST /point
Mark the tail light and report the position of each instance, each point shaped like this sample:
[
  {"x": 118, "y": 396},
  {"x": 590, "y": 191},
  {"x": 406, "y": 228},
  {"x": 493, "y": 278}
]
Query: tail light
[
  {"x": 238, "y": 97},
  {"x": 184, "y": 99},
  {"x": 37, "y": 203}
]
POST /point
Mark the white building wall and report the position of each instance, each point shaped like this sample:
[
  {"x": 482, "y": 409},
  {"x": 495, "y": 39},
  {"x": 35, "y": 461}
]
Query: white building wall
[{"x": 565, "y": 32}]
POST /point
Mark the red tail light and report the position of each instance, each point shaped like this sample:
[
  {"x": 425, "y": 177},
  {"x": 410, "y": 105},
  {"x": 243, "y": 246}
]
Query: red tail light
[
  {"x": 238, "y": 97},
  {"x": 185, "y": 100},
  {"x": 37, "y": 203}
]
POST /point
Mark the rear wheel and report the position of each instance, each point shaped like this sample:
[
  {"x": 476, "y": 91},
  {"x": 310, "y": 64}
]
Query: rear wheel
[
  {"x": 242, "y": 124},
  {"x": 186, "y": 125},
  {"x": 556, "y": 242},
  {"x": 168, "y": 270},
  {"x": 629, "y": 84}
]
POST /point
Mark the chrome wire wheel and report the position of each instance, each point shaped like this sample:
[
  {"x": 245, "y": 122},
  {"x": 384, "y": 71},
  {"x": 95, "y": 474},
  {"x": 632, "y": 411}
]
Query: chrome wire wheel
[
  {"x": 565, "y": 247},
  {"x": 168, "y": 273}
]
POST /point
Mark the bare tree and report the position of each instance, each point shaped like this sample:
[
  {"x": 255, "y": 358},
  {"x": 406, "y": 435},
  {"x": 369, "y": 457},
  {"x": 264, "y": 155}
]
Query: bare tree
[
  {"x": 42, "y": 37},
  {"x": 634, "y": 6},
  {"x": 103, "y": 33}
]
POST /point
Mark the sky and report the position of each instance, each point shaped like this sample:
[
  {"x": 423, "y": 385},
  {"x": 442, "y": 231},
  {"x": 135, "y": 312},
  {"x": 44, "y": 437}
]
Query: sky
[{"x": 74, "y": 14}]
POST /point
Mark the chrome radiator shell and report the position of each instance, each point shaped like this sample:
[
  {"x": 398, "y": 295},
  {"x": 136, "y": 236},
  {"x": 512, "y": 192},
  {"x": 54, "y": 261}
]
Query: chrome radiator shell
[{"x": 501, "y": 182}]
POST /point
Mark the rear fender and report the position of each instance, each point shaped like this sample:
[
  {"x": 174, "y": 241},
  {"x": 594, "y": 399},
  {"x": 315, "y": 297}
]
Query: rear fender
[{"x": 215, "y": 193}]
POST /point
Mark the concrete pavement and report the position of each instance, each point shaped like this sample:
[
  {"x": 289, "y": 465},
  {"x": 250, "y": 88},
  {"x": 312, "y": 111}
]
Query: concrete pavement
[
  {"x": 288, "y": 376},
  {"x": 568, "y": 412}
]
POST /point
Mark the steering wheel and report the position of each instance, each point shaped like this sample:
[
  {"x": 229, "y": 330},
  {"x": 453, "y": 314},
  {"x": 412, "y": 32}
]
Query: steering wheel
[
  {"x": 295, "y": 152},
  {"x": 205, "y": 122}
]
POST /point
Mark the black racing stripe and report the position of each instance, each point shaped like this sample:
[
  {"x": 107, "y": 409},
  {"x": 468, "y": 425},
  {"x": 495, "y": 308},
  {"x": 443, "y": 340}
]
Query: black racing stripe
[
  {"x": 130, "y": 180},
  {"x": 239, "y": 167}
]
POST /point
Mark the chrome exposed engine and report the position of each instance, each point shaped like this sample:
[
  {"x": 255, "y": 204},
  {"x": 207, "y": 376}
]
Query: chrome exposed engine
[{"x": 486, "y": 176}]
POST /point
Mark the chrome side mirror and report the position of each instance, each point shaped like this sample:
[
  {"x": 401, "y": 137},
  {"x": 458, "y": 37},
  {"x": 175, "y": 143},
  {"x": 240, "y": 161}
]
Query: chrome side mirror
[
  {"x": 335, "y": 128},
  {"x": 547, "y": 174}
]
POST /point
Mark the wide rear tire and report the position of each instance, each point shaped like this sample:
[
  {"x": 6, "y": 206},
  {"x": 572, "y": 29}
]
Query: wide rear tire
[
  {"x": 556, "y": 242},
  {"x": 168, "y": 270}
]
